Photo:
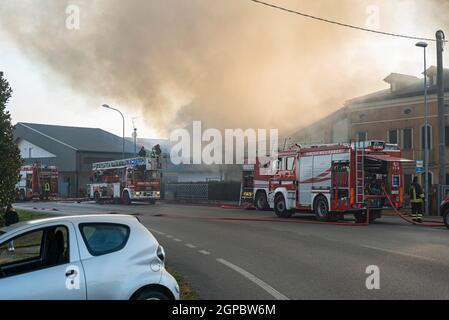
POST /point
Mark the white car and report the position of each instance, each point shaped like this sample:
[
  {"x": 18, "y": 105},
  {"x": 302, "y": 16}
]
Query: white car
[{"x": 95, "y": 257}]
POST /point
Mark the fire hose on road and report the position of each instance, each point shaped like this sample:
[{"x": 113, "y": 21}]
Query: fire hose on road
[{"x": 404, "y": 217}]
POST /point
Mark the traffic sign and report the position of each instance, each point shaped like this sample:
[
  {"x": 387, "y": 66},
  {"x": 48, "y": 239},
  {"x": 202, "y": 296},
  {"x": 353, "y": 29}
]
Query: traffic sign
[{"x": 419, "y": 166}]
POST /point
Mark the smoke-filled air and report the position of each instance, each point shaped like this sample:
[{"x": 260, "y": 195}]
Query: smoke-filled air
[{"x": 229, "y": 63}]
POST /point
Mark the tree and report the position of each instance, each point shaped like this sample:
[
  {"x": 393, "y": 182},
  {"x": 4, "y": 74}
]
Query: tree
[{"x": 10, "y": 160}]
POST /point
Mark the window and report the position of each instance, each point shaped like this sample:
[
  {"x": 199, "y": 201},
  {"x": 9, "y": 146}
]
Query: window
[
  {"x": 104, "y": 238},
  {"x": 290, "y": 163},
  {"x": 407, "y": 182},
  {"x": 429, "y": 180},
  {"x": 407, "y": 139},
  {"x": 35, "y": 250},
  {"x": 429, "y": 137},
  {"x": 393, "y": 136},
  {"x": 447, "y": 136},
  {"x": 362, "y": 136}
]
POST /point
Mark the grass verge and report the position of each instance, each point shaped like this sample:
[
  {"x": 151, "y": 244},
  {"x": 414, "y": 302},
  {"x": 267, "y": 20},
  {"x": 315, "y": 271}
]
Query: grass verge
[
  {"x": 26, "y": 216},
  {"x": 187, "y": 292}
]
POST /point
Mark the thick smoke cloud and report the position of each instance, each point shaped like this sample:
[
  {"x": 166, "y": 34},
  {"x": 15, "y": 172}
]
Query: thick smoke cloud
[{"x": 228, "y": 63}]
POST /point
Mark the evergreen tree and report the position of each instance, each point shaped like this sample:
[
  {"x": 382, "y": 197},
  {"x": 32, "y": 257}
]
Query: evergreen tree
[{"x": 10, "y": 160}]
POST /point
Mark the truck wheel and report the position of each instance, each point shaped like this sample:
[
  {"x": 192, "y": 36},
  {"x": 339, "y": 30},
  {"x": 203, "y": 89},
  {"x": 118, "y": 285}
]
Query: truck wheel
[
  {"x": 360, "y": 217},
  {"x": 126, "y": 198},
  {"x": 321, "y": 209},
  {"x": 261, "y": 201},
  {"x": 97, "y": 197},
  {"x": 446, "y": 217},
  {"x": 280, "y": 207}
]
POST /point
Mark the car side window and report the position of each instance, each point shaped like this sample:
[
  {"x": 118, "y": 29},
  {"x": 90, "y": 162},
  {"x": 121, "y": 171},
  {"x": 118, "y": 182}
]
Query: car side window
[
  {"x": 104, "y": 238},
  {"x": 35, "y": 250}
]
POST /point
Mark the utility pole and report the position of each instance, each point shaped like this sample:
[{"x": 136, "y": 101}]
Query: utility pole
[
  {"x": 426, "y": 132},
  {"x": 123, "y": 119},
  {"x": 441, "y": 119}
]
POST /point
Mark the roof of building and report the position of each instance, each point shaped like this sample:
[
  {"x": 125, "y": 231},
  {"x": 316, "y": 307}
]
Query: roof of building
[
  {"x": 411, "y": 87},
  {"x": 80, "y": 138},
  {"x": 400, "y": 77}
]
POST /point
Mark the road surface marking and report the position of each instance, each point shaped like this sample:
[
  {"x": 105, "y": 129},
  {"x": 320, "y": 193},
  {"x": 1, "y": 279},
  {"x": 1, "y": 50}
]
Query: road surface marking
[
  {"x": 276, "y": 294},
  {"x": 177, "y": 240},
  {"x": 204, "y": 252},
  {"x": 156, "y": 231},
  {"x": 409, "y": 255},
  {"x": 191, "y": 246}
]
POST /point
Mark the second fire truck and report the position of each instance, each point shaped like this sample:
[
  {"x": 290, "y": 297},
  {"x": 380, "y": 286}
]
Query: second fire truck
[
  {"x": 327, "y": 180},
  {"x": 127, "y": 180},
  {"x": 37, "y": 182}
]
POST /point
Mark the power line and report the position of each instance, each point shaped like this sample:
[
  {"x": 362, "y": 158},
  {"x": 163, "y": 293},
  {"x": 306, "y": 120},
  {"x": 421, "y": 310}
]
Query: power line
[{"x": 340, "y": 23}]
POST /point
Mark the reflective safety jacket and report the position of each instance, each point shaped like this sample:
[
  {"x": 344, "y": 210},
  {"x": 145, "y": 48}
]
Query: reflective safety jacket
[{"x": 416, "y": 193}]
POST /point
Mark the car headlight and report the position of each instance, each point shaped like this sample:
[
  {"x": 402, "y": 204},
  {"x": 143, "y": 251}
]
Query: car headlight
[
  {"x": 138, "y": 193},
  {"x": 161, "y": 253}
]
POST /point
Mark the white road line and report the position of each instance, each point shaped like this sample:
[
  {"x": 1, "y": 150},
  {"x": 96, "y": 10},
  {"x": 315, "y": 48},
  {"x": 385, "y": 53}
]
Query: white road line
[
  {"x": 276, "y": 294},
  {"x": 204, "y": 252},
  {"x": 156, "y": 231},
  {"x": 405, "y": 254},
  {"x": 177, "y": 240},
  {"x": 191, "y": 246}
]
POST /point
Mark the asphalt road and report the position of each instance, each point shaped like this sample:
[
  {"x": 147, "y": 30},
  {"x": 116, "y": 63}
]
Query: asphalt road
[{"x": 230, "y": 254}]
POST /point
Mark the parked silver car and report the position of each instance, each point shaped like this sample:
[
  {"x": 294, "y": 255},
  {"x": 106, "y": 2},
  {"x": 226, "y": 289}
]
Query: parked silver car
[{"x": 95, "y": 257}]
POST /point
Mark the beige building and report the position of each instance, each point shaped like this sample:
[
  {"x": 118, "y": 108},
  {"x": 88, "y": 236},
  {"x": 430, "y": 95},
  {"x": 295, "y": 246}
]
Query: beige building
[{"x": 395, "y": 115}]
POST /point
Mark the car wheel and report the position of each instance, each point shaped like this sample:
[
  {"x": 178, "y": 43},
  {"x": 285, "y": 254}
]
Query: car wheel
[
  {"x": 261, "y": 201},
  {"x": 446, "y": 217},
  {"x": 126, "y": 198},
  {"x": 151, "y": 294},
  {"x": 280, "y": 207},
  {"x": 321, "y": 209}
]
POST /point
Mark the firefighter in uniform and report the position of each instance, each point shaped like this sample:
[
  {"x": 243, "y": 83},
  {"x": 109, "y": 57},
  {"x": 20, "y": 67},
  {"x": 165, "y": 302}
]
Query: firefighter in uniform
[
  {"x": 11, "y": 217},
  {"x": 142, "y": 152},
  {"x": 416, "y": 199},
  {"x": 46, "y": 190}
]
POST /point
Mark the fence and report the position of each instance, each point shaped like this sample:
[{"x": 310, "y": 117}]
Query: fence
[{"x": 217, "y": 191}]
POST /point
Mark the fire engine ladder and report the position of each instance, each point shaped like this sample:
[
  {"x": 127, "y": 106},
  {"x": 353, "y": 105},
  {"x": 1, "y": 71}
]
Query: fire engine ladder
[{"x": 359, "y": 147}]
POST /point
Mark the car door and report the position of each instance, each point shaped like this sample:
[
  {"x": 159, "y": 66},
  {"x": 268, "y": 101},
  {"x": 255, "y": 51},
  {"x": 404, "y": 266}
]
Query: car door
[
  {"x": 105, "y": 260},
  {"x": 42, "y": 263}
]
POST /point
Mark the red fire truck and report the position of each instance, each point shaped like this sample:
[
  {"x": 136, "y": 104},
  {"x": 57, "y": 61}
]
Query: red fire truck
[
  {"x": 127, "y": 180},
  {"x": 329, "y": 180},
  {"x": 37, "y": 182}
]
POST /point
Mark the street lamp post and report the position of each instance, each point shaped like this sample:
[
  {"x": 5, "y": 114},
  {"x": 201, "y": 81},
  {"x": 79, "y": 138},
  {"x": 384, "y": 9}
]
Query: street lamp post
[
  {"x": 426, "y": 131},
  {"x": 123, "y": 118}
]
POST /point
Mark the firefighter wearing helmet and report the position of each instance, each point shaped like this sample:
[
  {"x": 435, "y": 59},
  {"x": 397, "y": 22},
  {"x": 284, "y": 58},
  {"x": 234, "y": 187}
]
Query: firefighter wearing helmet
[
  {"x": 142, "y": 152},
  {"x": 416, "y": 199}
]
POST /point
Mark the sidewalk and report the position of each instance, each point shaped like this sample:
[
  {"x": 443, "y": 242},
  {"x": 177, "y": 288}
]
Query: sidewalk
[{"x": 391, "y": 213}]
